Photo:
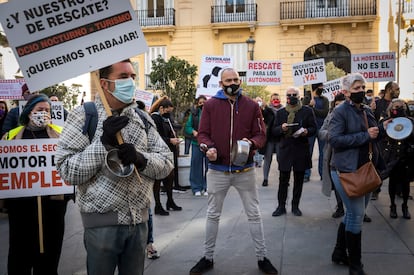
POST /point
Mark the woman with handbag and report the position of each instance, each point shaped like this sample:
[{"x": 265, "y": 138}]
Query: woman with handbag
[{"x": 352, "y": 133}]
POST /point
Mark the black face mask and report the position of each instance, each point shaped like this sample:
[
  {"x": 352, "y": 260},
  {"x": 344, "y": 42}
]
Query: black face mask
[
  {"x": 200, "y": 107},
  {"x": 166, "y": 115},
  {"x": 397, "y": 113},
  {"x": 233, "y": 89},
  {"x": 357, "y": 98},
  {"x": 292, "y": 100}
]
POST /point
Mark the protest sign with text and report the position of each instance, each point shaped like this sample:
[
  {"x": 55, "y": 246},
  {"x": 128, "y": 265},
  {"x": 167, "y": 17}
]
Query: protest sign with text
[
  {"x": 332, "y": 88},
  {"x": 263, "y": 73},
  {"x": 375, "y": 67},
  {"x": 11, "y": 88},
  {"x": 210, "y": 74},
  {"x": 27, "y": 168},
  {"x": 309, "y": 72},
  {"x": 146, "y": 97},
  {"x": 56, "y": 40}
]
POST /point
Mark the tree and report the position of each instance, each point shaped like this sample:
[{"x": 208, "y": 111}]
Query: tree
[
  {"x": 256, "y": 91},
  {"x": 175, "y": 78},
  {"x": 333, "y": 72},
  {"x": 68, "y": 95}
]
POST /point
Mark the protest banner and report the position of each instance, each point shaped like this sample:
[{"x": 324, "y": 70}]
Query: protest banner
[
  {"x": 11, "y": 88},
  {"x": 332, "y": 88},
  {"x": 57, "y": 40},
  {"x": 264, "y": 73},
  {"x": 56, "y": 111},
  {"x": 309, "y": 72},
  {"x": 146, "y": 97},
  {"x": 210, "y": 74},
  {"x": 27, "y": 169},
  {"x": 375, "y": 67}
]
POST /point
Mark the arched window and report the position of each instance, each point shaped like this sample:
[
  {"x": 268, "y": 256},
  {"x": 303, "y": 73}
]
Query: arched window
[{"x": 338, "y": 54}]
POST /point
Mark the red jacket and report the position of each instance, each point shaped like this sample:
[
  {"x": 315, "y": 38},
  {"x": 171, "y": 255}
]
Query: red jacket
[{"x": 224, "y": 122}]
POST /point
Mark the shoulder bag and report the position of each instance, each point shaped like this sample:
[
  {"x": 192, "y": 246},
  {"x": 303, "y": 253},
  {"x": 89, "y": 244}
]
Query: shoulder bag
[{"x": 362, "y": 181}]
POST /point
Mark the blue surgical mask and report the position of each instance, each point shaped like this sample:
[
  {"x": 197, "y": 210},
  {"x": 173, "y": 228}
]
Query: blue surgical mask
[{"x": 124, "y": 90}]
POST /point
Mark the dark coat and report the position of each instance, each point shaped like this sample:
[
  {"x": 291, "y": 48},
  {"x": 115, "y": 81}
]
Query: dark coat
[{"x": 294, "y": 152}]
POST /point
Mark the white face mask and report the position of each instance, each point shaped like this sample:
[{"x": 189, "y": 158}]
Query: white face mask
[{"x": 40, "y": 119}]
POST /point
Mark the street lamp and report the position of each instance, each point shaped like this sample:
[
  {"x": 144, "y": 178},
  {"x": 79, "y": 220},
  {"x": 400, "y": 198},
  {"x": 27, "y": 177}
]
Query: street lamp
[{"x": 250, "y": 47}]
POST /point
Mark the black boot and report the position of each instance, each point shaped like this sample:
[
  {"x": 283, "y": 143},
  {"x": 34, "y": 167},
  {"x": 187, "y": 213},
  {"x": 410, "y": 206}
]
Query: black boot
[
  {"x": 339, "y": 255},
  {"x": 406, "y": 214},
  {"x": 393, "y": 211},
  {"x": 172, "y": 206},
  {"x": 160, "y": 211},
  {"x": 353, "y": 243}
]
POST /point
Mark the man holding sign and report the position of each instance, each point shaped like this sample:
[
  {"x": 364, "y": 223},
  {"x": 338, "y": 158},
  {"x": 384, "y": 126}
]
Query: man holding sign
[{"x": 114, "y": 208}]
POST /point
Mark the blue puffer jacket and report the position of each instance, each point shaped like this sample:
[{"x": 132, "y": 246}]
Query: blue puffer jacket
[{"x": 349, "y": 138}]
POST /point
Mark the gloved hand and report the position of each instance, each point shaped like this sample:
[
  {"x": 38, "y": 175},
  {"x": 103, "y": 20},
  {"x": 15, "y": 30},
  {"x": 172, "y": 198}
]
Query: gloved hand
[
  {"x": 111, "y": 126},
  {"x": 127, "y": 154}
]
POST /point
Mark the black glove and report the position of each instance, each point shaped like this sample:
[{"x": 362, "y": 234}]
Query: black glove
[
  {"x": 127, "y": 154},
  {"x": 111, "y": 126}
]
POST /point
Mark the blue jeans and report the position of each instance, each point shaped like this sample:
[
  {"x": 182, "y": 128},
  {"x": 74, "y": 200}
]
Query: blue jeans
[
  {"x": 198, "y": 169},
  {"x": 245, "y": 184},
  {"x": 271, "y": 147},
  {"x": 118, "y": 245},
  {"x": 321, "y": 144},
  {"x": 355, "y": 207}
]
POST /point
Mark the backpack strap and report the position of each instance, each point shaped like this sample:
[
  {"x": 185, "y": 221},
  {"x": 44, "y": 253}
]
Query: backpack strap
[{"x": 91, "y": 119}]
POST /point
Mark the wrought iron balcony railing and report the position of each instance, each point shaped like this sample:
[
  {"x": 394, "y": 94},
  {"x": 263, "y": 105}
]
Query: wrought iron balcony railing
[
  {"x": 308, "y": 9},
  {"x": 233, "y": 13},
  {"x": 159, "y": 17}
]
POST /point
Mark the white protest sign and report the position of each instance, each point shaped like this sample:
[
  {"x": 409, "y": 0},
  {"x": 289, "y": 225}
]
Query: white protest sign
[
  {"x": 264, "y": 73},
  {"x": 309, "y": 72},
  {"x": 374, "y": 67},
  {"x": 146, "y": 97},
  {"x": 27, "y": 168},
  {"x": 332, "y": 88},
  {"x": 210, "y": 74},
  {"x": 11, "y": 88},
  {"x": 58, "y": 40}
]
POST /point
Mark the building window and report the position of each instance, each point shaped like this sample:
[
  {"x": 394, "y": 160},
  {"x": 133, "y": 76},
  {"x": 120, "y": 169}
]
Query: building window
[
  {"x": 238, "y": 52},
  {"x": 234, "y": 6},
  {"x": 155, "y": 8},
  {"x": 338, "y": 54}
]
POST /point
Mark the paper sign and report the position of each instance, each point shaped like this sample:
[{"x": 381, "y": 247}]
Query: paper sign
[
  {"x": 332, "y": 88},
  {"x": 264, "y": 73},
  {"x": 57, "y": 40},
  {"x": 27, "y": 168},
  {"x": 146, "y": 97},
  {"x": 210, "y": 74},
  {"x": 11, "y": 88},
  {"x": 374, "y": 67},
  {"x": 309, "y": 72},
  {"x": 57, "y": 111}
]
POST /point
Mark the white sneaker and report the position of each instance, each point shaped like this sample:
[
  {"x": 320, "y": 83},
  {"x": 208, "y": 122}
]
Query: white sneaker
[
  {"x": 197, "y": 194},
  {"x": 205, "y": 193},
  {"x": 152, "y": 253}
]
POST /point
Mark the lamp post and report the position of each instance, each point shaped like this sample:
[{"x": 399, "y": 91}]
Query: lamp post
[{"x": 250, "y": 47}]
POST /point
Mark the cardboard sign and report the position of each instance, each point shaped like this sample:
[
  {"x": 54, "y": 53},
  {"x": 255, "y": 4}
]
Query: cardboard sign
[
  {"x": 374, "y": 67},
  {"x": 263, "y": 73},
  {"x": 27, "y": 169},
  {"x": 57, "y": 40},
  {"x": 309, "y": 72},
  {"x": 210, "y": 74},
  {"x": 11, "y": 88}
]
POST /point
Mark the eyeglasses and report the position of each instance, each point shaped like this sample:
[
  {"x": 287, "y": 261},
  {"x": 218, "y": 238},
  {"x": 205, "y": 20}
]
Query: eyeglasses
[{"x": 288, "y": 95}]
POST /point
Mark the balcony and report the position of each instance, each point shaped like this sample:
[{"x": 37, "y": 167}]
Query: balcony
[
  {"x": 234, "y": 13},
  {"x": 156, "y": 18},
  {"x": 306, "y": 12}
]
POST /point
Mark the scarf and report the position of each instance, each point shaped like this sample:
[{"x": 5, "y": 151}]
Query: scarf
[{"x": 292, "y": 110}]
